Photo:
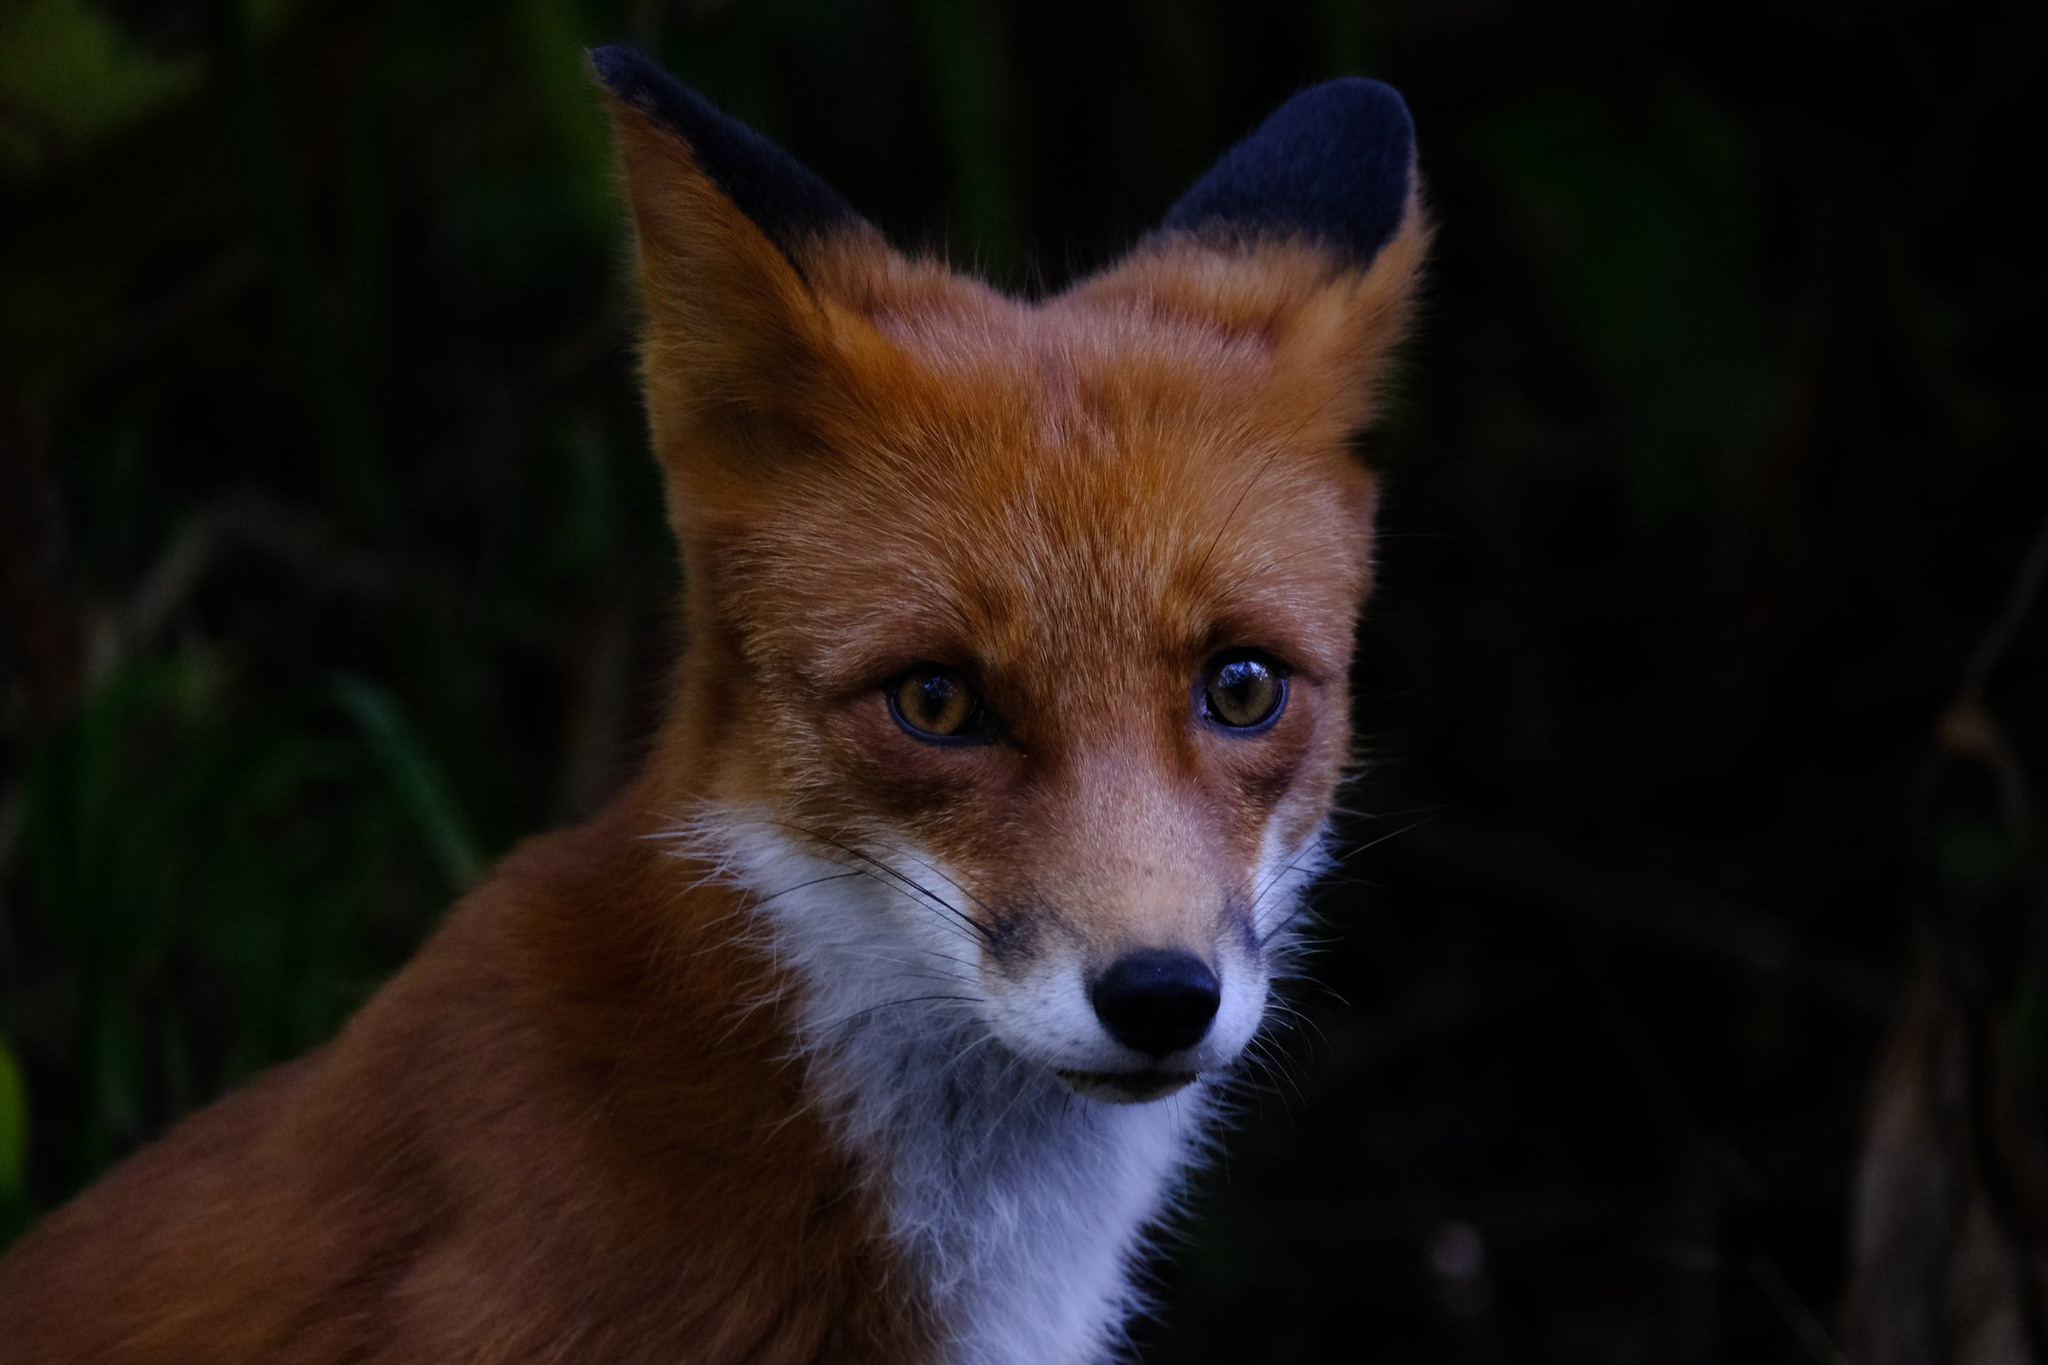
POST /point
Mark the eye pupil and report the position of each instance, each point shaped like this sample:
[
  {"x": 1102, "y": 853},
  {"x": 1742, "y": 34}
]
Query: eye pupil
[
  {"x": 934, "y": 698},
  {"x": 934, "y": 703},
  {"x": 1243, "y": 692},
  {"x": 1239, "y": 682}
]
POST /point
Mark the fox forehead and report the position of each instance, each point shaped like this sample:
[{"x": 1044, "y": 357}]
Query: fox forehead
[{"x": 1047, "y": 486}]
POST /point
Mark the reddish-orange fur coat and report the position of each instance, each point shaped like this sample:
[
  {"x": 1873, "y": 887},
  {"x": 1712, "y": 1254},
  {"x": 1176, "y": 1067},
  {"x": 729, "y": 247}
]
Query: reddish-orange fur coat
[{"x": 567, "y": 1131}]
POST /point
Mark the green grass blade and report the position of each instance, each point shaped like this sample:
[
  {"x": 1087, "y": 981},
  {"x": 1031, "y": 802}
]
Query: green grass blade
[{"x": 415, "y": 778}]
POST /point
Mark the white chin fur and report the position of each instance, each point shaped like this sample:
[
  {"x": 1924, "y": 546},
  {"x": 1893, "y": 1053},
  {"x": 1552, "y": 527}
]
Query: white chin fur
[{"x": 1021, "y": 1196}]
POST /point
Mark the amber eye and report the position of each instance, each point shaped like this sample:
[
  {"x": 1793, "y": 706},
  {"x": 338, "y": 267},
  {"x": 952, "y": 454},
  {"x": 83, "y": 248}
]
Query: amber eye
[
  {"x": 1243, "y": 691},
  {"x": 935, "y": 703}
]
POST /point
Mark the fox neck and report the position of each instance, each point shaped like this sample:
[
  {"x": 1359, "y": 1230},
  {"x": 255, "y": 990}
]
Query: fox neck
[{"x": 1021, "y": 1204}]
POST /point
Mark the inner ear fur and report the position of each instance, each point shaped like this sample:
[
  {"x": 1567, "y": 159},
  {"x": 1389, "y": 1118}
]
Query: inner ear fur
[
  {"x": 758, "y": 348},
  {"x": 1329, "y": 325},
  {"x": 1307, "y": 237},
  {"x": 734, "y": 338}
]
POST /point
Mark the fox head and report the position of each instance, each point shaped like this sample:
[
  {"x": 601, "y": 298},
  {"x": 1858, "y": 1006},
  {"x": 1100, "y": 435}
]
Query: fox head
[{"x": 1030, "y": 619}]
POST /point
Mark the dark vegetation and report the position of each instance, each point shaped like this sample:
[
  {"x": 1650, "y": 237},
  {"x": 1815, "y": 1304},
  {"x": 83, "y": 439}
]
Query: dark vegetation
[{"x": 331, "y": 563}]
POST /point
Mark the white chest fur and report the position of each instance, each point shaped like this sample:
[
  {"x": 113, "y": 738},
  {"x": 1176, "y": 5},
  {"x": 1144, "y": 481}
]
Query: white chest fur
[{"x": 1022, "y": 1204}]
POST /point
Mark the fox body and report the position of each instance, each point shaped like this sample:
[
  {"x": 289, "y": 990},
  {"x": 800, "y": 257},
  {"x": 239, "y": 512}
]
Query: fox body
[{"x": 876, "y": 1018}]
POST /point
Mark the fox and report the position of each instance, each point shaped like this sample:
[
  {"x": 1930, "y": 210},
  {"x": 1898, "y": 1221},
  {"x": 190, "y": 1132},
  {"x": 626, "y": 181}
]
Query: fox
[{"x": 880, "y": 1015}]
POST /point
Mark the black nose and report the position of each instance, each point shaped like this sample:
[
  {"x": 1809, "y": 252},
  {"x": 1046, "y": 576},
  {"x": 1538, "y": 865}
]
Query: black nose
[{"x": 1155, "y": 1001}]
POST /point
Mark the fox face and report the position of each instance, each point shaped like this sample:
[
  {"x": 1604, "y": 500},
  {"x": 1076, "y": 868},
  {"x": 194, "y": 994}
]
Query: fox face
[
  {"x": 1042, "y": 642},
  {"x": 1029, "y": 619}
]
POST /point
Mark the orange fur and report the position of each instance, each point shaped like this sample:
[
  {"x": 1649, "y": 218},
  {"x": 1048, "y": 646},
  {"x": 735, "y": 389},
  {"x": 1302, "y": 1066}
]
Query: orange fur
[{"x": 577, "y": 1127}]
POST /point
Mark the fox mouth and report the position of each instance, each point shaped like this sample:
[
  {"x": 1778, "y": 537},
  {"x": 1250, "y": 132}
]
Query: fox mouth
[{"x": 1127, "y": 1087}]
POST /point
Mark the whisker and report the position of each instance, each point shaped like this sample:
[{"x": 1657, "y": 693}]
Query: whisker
[
  {"x": 1304, "y": 909},
  {"x": 950, "y": 919},
  {"x": 941, "y": 875},
  {"x": 804, "y": 886},
  {"x": 932, "y": 897},
  {"x": 849, "y": 1019},
  {"x": 964, "y": 975},
  {"x": 1353, "y": 852}
]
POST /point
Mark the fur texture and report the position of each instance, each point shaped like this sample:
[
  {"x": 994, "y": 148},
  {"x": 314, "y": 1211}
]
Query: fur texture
[{"x": 791, "y": 1054}]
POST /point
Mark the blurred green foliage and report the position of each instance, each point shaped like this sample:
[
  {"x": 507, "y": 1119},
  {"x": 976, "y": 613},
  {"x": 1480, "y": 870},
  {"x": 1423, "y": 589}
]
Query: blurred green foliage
[
  {"x": 331, "y": 563},
  {"x": 13, "y": 1140},
  {"x": 221, "y": 833},
  {"x": 70, "y": 68}
]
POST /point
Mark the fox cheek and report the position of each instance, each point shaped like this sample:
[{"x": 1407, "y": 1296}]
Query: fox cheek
[
  {"x": 1264, "y": 788},
  {"x": 1015, "y": 936},
  {"x": 1257, "y": 777},
  {"x": 862, "y": 756}
]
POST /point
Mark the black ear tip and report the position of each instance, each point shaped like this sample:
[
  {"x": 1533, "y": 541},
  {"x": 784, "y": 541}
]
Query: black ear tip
[
  {"x": 1354, "y": 98},
  {"x": 626, "y": 72},
  {"x": 1369, "y": 115},
  {"x": 785, "y": 200},
  {"x": 1333, "y": 163},
  {"x": 641, "y": 81}
]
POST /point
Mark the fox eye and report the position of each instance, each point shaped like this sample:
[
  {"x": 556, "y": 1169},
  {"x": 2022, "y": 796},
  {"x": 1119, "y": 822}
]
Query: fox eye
[
  {"x": 936, "y": 705},
  {"x": 1243, "y": 690}
]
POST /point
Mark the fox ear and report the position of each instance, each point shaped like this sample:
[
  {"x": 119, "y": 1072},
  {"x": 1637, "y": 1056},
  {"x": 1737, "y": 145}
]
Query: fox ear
[
  {"x": 1309, "y": 235},
  {"x": 1335, "y": 165},
  {"x": 743, "y": 349}
]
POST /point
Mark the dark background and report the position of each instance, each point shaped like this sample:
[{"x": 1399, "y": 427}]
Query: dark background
[{"x": 331, "y": 563}]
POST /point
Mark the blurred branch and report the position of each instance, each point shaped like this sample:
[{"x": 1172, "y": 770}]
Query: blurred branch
[
  {"x": 1967, "y": 729},
  {"x": 2019, "y": 604},
  {"x": 1949, "y": 1241},
  {"x": 290, "y": 535}
]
